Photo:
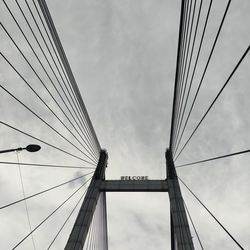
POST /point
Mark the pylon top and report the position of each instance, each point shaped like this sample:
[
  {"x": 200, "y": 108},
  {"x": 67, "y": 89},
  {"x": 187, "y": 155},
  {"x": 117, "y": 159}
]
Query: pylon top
[
  {"x": 101, "y": 166},
  {"x": 171, "y": 172}
]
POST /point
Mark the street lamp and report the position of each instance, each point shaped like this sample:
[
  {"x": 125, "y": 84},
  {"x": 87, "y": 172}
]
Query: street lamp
[
  {"x": 33, "y": 148},
  {"x": 29, "y": 148}
]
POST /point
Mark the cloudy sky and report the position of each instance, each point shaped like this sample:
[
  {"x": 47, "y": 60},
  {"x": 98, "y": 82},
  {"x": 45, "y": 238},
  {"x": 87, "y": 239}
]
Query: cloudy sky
[{"x": 123, "y": 56}]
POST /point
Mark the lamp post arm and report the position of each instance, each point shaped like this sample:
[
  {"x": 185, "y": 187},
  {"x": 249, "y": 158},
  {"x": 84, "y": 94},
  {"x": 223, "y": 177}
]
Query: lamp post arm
[{"x": 11, "y": 150}]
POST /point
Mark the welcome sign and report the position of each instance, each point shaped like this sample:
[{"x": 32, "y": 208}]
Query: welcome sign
[{"x": 134, "y": 178}]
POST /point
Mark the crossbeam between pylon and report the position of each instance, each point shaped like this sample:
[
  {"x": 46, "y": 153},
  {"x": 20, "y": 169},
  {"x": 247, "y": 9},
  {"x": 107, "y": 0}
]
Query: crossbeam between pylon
[{"x": 134, "y": 186}]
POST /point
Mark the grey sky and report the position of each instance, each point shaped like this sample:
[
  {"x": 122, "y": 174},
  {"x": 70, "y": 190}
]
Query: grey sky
[{"x": 123, "y": 56}]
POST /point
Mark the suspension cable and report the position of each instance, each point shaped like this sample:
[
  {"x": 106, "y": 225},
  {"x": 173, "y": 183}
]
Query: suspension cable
[
  {"x": 70, "y": 102},
  {"x": 52, "y": 213},
  {"x": 181, "y": 62},
  {"x": 25, "y": 200},
  {"x": 184, "y": 65},
  {"x": 68, "y": 217},
  {"x": 196, "y": 61},
  {"x": 213, "y": 158},
  {"x": 173, "y": 120},
  {"x": 65, "y": 62},
  {"x": 46, "y": 123},
  {"x": 40, "y": 98},
  {"x": 211, "y": 214},
  {"x": 48, "y": 144},
  {"x": 188, "y": 70},
  {"x": 35, "y": 72},
  {"x": 210, "y": 56},
  {"x": 45, "y": 191},
  {"x": 215, "y": 99},
  {"x": 45, "y": 165},
  {"x": 192, "y": 222}
]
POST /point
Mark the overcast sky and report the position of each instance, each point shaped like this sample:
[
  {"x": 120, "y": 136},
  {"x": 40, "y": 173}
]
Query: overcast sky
[{"x": 123, "y": 56}]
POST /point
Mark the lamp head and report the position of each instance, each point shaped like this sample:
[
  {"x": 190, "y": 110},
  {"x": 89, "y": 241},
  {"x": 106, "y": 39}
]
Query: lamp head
[{"x": 33, "y": 148}]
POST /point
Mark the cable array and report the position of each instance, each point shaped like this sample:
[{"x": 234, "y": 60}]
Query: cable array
[
  {"x": 97, "y": 235},
  {"x": 214, "y": 158},
  {"x": 220, "y": 224},
  {"x": 190, "y": 46},
  {"x": 53, "y": 212},
  {"x": 42, "y": 86},
  {"x": 183, "y": 85},
  {"x": 215, "y": 99},
  {"x": 194, "y": 227},
  {"x": 190, "y": 76}
]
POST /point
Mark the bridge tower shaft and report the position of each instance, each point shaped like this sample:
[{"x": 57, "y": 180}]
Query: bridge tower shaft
[
  {"x": 181, "y": 238},
  {"x": 84, "y": 218}
]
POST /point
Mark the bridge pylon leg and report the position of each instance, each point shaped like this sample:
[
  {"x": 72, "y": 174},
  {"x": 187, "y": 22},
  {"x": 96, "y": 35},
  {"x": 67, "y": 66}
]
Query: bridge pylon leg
[
  {"x": 173, "y": 243},
  {"x": 181, "y": 238},
  {"x": 80, "y": 229}
]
